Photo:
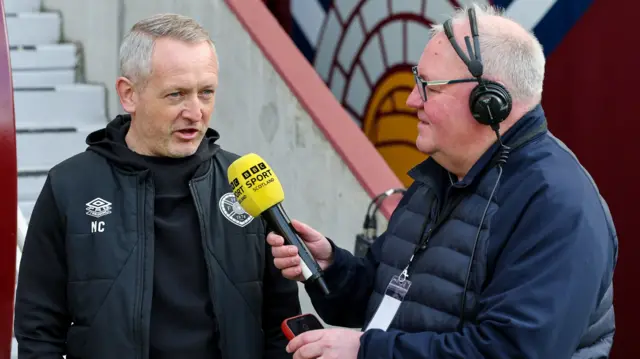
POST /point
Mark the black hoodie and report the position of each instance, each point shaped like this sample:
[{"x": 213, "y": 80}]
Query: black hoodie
[{"x": 182, "y": 320}]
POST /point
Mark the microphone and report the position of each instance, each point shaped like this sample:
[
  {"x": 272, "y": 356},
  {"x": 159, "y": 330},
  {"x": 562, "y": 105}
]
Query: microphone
[{"x": 259, "y": 193}]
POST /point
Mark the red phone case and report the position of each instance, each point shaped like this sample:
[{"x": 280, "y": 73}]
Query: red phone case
[
  {"x": 287, "y": 331},
  {"x": 285, "y": 327}
]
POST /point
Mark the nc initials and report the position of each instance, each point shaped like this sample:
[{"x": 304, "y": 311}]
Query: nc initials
[{"x": 97, "y": 226}]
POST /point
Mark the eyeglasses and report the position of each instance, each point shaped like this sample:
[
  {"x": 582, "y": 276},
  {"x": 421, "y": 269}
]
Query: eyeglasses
[{"x": 422, "y": 84}]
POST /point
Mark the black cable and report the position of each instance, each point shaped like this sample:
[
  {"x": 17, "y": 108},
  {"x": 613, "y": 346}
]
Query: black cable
[
  {"x": 503, "y": 156},
  {"x": 370, "y": 222},
  {"x": 377, "y": 200},
  {"x": 371, "y": 204},
  {"x": 369, "y": 233}
]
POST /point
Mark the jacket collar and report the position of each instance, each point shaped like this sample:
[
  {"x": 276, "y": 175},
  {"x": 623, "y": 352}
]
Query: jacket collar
[{"x": 523, "y": 131}]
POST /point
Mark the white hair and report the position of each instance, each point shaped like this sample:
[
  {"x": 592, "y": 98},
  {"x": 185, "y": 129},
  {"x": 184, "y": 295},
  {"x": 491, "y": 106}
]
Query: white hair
[
  {"x": 512, "y": 57},
  {"x": 137, "y": 46}
]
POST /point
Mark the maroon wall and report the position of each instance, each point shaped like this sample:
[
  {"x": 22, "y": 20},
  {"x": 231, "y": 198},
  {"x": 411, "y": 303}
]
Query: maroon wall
[
  {"x": 590, "y": 97},
  {"x": 8, "y": 196}
]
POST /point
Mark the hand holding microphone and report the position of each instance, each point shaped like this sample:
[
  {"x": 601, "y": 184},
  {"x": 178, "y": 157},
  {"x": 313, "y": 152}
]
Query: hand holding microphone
[
  {"x": 286, "y": 257},
  {"x": 259, "y": 193}
]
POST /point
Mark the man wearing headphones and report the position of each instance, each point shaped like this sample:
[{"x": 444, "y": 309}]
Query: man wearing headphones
[{"x": 501, "y": 248}]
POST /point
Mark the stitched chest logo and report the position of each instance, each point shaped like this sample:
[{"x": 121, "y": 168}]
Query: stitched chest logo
[
  {"x": 231, "y": 210},
  {"x": 98, "y": 207}
]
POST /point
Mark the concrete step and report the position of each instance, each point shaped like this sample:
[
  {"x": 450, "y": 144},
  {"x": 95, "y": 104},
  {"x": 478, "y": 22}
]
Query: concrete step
[
  {"x": 44, "y": 57},
  {"x": 29, "y": 187},
  {"x": 74, "y": 105},
  {"x": 40, "y": 78},
  {"x": 16, "y": 6},
  {"x": 40, "y": 127},
  {"x": 40, "y": 151},
  {"x": 33, "y": 28}
]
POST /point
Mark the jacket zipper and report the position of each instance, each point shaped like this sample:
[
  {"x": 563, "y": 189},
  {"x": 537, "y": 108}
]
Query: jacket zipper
[
  {"x": 196, "y": 203},
  {"x": 204, "y": 236},
  {"x": 203, "y": 231},
  {"x": 137, "y": 324}
]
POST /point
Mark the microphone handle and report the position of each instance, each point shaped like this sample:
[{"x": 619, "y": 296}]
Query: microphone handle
[{"x": 280, "y": 223}]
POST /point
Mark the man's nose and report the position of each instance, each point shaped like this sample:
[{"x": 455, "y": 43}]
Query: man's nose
[
  {"x": 414, "y": 100},
  {"x": 193, "y": 109}
]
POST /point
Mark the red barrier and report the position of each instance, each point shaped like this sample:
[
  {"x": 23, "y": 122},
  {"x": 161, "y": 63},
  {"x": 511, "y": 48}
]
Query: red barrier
[
  {"x": 9, "y": 195},
  {"x": 358, "y": 153}
]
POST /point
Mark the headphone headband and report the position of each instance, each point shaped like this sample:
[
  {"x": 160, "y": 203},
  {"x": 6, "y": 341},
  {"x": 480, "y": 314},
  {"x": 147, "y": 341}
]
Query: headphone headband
[
  {"x": 489, "y": 102},
  {"x": 474, "y": 60}
]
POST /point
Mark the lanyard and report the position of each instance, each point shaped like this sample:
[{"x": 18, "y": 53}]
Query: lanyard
[
  {"x": 444, "y": 215},
  {"x": 425, "y": 237}
]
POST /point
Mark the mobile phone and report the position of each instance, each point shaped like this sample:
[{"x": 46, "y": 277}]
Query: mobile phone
[{"x": 299, "y": 324}]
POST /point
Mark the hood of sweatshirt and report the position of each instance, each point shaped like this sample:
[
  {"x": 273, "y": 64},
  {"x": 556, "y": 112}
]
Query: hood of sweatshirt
[{"x": 109, "y": 142}]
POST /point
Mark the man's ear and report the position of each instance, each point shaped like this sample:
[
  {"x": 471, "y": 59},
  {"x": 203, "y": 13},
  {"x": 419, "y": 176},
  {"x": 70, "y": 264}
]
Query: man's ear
[{"x": 127, "y": 94}]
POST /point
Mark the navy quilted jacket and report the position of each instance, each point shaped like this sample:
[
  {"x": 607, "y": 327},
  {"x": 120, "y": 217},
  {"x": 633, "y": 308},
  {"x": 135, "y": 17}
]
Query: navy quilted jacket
[{"x": 538, "y": 284}]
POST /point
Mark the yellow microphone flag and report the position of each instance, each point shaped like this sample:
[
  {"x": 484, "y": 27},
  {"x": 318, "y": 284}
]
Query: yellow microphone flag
[{"x": 254, "y": 184}]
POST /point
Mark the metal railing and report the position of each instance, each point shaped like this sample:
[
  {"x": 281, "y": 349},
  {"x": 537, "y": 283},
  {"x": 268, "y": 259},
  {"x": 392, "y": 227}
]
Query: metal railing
[{"x": 22, "y": 233}]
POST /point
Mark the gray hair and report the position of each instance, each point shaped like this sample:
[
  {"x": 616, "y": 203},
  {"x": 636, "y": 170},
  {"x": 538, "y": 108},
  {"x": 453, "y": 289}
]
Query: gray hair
[
  {"x": 137, "y": 46},
  {"x": 514, "y": 58}
]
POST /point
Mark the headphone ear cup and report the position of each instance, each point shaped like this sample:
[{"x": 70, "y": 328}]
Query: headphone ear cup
[{"x": 490, "y": 103}]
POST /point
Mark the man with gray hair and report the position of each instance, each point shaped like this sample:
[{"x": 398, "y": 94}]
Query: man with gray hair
[
  {"x": 137, "y": 248},
  {"x": 502, "y": 247}
]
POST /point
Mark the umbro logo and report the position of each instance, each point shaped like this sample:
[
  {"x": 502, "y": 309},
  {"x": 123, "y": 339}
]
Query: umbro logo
[
  {"x": 98, "y": 207},
  {"x": 231, "y": 210}
]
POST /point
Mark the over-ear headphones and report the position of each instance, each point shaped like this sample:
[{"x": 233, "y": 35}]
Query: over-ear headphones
[{"x": 489, "y": 102}]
